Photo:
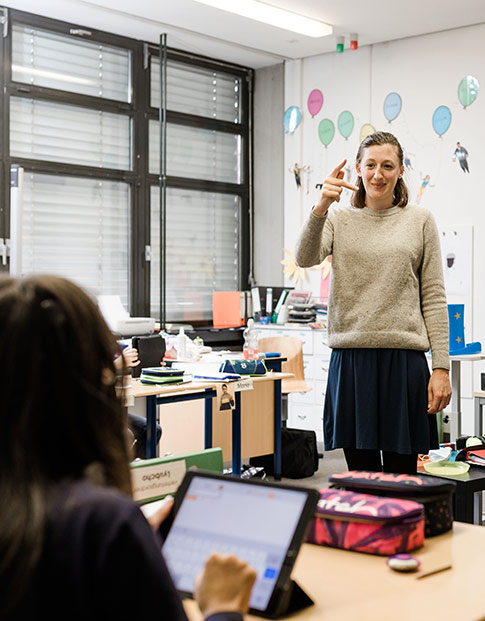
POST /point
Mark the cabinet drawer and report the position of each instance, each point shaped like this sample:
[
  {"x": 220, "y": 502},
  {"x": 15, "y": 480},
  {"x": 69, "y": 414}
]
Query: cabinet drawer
[
  {"x": 320, "y": 367},
  {"x": 303, "y": 397},
  {"x": 320, "y": 388},
  {"x": 320, "y": 344},
  {"x": 301, "y": 416},
  {"x": 309, "y": 367}
]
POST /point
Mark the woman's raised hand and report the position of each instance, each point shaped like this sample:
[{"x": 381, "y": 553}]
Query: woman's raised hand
[{"x": 332, "y": 189}]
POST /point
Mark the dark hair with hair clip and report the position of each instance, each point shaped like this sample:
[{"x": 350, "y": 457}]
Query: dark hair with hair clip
[
  {"x": 401, "y": 195},
  {"x": 60, "y": 414}
]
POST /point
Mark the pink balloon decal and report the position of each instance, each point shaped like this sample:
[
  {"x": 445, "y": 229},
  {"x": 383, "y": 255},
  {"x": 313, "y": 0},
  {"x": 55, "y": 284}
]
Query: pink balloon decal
[{"x": 315, "y": 102}]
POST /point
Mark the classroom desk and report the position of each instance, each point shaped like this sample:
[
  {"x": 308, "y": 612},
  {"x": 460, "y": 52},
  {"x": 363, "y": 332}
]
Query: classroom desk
[
  {"x": 158, "y": 395},
  {"x": 352, "y": 586},
  {"x": 479, "y": 400}
]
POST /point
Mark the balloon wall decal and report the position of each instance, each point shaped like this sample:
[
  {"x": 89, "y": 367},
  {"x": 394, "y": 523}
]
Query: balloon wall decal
[
  {"x": 441, "y": 120},
  {"x": 315, "y": 102},
  {"x": 392, "y": 106},
  {"x": 291, "y": 119},
  {"x": 345, "y": 123},
  {"x": 468, "y": 90},
  {"x": 366, "y": 130},
  {"x": 326, "y": 131}
]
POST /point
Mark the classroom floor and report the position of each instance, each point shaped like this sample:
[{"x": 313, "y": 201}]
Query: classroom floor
[{"x": 331, "y": 462}]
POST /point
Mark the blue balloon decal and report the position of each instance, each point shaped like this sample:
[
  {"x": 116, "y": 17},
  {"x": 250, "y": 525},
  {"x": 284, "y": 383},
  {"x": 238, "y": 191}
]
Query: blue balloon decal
[
  {"x": 292, "y": 119},
  {"x": 392, "y": 106},
  {"x": 441, "y": 120}
]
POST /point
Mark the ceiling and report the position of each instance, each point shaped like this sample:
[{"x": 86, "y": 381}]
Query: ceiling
[{"x": 205, "y": 30}]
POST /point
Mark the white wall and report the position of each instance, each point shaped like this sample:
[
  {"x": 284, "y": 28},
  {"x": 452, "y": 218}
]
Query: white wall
[{"x": 425, "y": 71}]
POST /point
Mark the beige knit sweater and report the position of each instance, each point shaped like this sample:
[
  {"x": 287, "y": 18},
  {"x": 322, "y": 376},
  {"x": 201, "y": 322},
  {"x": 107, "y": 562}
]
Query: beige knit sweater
[{"x": 387, "y": 285}]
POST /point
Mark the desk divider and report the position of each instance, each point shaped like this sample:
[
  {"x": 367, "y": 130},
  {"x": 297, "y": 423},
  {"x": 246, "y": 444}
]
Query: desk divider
[{"x": 153, "y": 479}]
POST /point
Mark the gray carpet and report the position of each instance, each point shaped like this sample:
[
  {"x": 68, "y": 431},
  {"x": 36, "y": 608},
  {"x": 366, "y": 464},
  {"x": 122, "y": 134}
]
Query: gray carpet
[{"x": 332, "y": 461}]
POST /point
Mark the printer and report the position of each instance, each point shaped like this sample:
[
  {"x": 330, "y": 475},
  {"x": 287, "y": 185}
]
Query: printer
[{"x": 119, "y": 320}]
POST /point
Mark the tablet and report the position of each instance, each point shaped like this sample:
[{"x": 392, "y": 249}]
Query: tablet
[{"x": 260, "y": 522}]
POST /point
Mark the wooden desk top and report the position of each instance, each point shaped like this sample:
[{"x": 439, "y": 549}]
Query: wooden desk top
[
  {"x": 137, "y": 389},
  {"x": 352, "y": 586},
  {"x": 479, "y": 393}
]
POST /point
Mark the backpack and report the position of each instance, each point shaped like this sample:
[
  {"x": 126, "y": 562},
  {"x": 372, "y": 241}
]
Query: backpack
[{"x": 299, "y": 454}]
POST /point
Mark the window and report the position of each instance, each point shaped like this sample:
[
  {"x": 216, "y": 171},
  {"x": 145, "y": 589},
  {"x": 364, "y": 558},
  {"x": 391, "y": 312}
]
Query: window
[
  {"x": 82, "y": 112},
  {"x": 203, "y": 233}
]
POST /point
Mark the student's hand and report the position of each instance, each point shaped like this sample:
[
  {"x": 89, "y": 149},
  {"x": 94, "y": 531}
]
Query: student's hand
[
  {"x": 224, "y": 585},
  {"x": 156, "y": 517},
  {"x": 130, "y": 354},
  {"x": 439, "y": 391},
  {"x": 332, "y": 189}
]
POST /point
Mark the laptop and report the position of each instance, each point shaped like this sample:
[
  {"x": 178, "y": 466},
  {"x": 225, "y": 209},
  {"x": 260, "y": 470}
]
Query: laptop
[{"x": 258, "y": 521}]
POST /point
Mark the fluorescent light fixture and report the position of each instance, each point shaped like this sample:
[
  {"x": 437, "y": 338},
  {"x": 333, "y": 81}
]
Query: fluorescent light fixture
[{"x": 262, "y": 12}]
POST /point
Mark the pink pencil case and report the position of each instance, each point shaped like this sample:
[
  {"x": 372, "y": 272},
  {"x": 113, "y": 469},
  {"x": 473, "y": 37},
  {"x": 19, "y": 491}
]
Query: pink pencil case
[{"x": 366, "y": 523}]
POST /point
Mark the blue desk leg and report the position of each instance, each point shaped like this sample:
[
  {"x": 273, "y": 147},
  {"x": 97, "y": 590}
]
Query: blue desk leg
[
  {"x": 208, "y": 423},
  {"x": 236, "y": 436},
  {"x": 277, "y": 430},
  {"x": 151, "y": 426}
]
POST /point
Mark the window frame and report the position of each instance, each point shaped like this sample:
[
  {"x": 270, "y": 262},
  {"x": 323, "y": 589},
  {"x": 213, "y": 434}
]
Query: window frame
[{"x": 140, "y": 113}]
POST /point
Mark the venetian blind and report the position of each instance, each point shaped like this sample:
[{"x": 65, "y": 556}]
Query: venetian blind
[
  {"x": 203, "y": 233},
  {"x": 75, "y": 226}
]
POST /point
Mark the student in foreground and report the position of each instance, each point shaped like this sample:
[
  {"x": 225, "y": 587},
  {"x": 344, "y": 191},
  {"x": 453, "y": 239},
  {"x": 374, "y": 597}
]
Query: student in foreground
[{"x": 73, "y": 545}]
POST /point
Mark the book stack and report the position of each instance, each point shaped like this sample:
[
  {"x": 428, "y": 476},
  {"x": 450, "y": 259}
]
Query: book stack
[{"x": 161, "y": 375}]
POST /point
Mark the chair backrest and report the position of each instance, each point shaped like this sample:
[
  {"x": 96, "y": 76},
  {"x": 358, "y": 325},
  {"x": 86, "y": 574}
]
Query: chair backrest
[{"x": 290, "y": 348}]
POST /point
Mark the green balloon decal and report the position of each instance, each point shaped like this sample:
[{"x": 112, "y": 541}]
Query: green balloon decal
[
  {"x": 468, "y": 90},
  {"x": 345, "y": 123},
  {"x": 326, "y": 132}
]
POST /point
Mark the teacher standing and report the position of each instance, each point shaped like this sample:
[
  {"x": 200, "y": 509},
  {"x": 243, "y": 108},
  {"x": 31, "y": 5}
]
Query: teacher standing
[{"x": 387, "y": 307}]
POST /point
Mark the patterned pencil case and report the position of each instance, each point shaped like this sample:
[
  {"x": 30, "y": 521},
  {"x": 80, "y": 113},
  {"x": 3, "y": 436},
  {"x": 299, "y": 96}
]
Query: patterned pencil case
[
  {"x": 366, "y": 523},
  {"x": 244, "y": 367},
  {"x": 435, "y": 494}
]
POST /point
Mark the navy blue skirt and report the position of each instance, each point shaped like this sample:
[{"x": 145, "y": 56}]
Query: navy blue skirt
[{"x": 378, "y": 399}]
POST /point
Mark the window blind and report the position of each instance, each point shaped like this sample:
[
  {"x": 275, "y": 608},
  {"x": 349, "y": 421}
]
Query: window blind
[
  {"x": 202, "y": 251},
  {"x": 197, "y": 153},
  {"x": 52, "y": 60},
  {"x": 77, "y": 228},
  {"x": 197, "y": 90},
  {"x": 56, "y": 132}
]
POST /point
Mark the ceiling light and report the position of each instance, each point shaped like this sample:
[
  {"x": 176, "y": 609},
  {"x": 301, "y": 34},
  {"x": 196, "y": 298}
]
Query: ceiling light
[{"x": 262, "y": 12}]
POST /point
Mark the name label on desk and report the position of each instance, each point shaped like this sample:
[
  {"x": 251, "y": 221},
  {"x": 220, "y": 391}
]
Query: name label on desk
[
  {"x": 155, "y": 481},
  {"x": 243, "y": 384}
]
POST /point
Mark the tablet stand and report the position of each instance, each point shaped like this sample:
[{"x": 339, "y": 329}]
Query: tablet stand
[{"x": 291, "y": 599}]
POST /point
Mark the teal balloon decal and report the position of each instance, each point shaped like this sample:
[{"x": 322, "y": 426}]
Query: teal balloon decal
[
  {"x": 441, "y": 120},
  {"x": 392, "y": 106},
  {"x": 292, "y": 119},
  {"x": 468, "y": 90},
  {"x": 345, "y": 123},
  {"x": 326, "y": 131}
]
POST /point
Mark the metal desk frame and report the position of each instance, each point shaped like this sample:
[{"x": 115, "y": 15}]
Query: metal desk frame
[{"x": 152, "y": 401}]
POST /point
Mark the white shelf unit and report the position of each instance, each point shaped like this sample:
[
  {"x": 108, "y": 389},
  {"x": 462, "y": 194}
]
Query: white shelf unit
[{"x": 305, "y": 410}]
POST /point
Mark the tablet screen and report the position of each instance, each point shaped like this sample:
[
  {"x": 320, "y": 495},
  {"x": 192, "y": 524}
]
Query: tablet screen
[{"x": 255, "y": 522}]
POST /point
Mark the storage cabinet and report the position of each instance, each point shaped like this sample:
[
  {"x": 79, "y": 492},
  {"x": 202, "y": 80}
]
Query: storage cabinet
[{"x": 305, "y": 410}]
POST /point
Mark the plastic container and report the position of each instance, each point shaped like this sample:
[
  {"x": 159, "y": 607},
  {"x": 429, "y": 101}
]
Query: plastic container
[{"x": 250, "y": 347}]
